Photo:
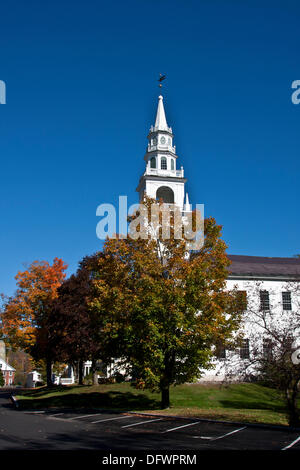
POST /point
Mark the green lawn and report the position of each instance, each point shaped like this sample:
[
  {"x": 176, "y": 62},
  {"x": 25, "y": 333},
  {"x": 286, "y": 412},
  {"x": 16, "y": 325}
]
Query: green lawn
[{"x": 237, "y": 402}]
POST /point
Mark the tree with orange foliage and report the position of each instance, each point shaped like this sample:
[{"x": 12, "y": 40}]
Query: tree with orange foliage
[{"x": 25, "y": 315}]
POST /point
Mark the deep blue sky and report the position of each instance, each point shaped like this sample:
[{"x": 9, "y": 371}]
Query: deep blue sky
[{"x": 82, "y": 94}]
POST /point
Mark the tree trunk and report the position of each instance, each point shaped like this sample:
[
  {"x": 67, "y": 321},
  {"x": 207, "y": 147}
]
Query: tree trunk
[
  {"x": 293, "y": 412},
  {"x": 165, "y": 397},
  {"x": 49, "y": 372},
  {"x": 167, "y": 379},
  {"x": 80, "y": 372},
  {"x": 94, "y": 372}
]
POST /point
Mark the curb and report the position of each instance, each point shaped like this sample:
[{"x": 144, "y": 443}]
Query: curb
[{"x": 14, "y": 401}]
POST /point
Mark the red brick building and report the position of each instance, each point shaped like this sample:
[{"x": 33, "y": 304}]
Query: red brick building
[{"x": 8, "y": 373}]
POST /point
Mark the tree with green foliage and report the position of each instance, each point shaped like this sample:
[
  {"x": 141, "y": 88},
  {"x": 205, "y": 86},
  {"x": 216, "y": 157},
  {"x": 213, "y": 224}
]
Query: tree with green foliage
[{"x": 161, "y": 309}]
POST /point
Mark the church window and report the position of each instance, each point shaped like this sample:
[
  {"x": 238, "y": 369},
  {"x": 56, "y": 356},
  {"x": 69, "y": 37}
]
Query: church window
[
  {"x": 264, "y": 300},
  {"x": 244, "y": 350},
  {"x": 172, "y": 164},
  {"x": 242, "y": 301},
  {"x": 163, "y": 163},
  {"x": 153, "y": 162},
  {"x": 220, "y": 351},
  {"x": 286, "y": 301},
  {"x": 267, "y": 348}
]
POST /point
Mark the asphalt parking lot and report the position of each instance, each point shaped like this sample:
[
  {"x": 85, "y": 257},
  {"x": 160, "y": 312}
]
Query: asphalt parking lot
[
  {"x": 154, "y": 432},
  {"x": 106, "y": 431}
]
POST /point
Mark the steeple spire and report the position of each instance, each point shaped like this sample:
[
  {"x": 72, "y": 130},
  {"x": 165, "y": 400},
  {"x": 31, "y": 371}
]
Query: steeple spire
[
  {"x": 161, "y": 122},
  {"x": 187, "y": 206},
  {"x": 161, "y": 178}
]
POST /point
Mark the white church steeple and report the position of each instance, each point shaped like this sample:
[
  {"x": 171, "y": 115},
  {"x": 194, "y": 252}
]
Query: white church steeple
[
  {"x": 161, "y": 122},
  {"x": 161, "y": 178}
]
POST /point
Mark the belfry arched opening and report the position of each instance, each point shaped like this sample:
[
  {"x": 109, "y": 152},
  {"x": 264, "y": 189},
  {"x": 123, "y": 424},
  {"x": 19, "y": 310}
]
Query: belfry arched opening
[{"x": 166, "y": 194}]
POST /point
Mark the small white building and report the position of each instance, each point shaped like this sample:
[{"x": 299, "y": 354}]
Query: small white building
[{"x": 33, "y": 378}]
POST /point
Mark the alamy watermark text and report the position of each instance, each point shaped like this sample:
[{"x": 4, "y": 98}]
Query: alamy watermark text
[{"x": 2, "y": 92}]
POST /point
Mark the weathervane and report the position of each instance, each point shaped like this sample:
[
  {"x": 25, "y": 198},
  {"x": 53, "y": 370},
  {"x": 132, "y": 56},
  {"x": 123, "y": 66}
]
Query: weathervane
[{"x": 161, "y": 78}]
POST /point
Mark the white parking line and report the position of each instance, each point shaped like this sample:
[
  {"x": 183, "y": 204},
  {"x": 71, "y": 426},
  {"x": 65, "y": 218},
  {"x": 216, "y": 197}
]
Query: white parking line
[
  {"x": 57, "y": 414},
  {"x": 112, "y": 419},
  {"x": 141, "y": 422},
  {"x": 179, "y": 427},
  {"x": 33, "y": 412},
  {"x": 292, "y": 444},
  {"x": 229, "y": 433},
  {"x": 85, "y": 416},
  {"x": 219, "y": 437}
]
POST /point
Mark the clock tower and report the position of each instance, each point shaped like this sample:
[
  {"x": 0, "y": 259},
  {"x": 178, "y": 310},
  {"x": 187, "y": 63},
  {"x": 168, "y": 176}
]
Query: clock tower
[{"x": 161, "y": 179}]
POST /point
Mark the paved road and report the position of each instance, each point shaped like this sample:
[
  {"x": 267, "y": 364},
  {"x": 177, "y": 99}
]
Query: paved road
[{"x": 103, "y": 431}]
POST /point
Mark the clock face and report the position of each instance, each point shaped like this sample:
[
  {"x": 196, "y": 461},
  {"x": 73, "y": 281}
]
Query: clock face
[{"x": 162, "y": 140}]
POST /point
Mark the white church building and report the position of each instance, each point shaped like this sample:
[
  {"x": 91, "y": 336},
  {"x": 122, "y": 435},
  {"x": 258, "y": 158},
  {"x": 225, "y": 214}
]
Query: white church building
[{"x": 271, "y": 284}]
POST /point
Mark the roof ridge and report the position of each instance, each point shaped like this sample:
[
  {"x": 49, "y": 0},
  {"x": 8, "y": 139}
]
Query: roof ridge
[{"x": 265, "y": 257}]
